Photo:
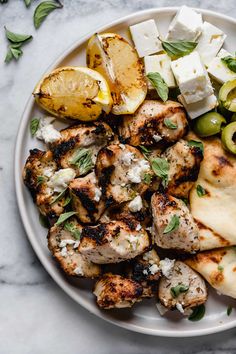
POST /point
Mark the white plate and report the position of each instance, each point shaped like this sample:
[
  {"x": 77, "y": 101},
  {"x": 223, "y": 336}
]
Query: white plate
[{"x": 144, "y": 317}]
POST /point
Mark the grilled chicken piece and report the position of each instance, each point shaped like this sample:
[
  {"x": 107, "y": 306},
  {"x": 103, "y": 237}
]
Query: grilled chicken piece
[
  {"x": 115, "y": 291},
  {"x": 79, "y": 145},
  {"x": 183, "y": 289},
  {"x": 145, "y": 270},
  {"x": 87, "y": 198},
  {"x": 38, "y": 170},
  {"x": 167, "y": 210},
  {"x": 64, "y": 247},
  {"x": 184, "y": 165},
  {"x": 123, "y": 212},
  {"x": 113, "y": 242},
  {"x": 122, "y": 171},
  {"x": 148, "y": 125}
]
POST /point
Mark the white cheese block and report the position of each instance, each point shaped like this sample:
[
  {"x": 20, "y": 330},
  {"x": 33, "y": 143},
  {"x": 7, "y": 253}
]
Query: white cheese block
[
  {"x": 196, "y": 109},
  {"x": 192, "y": 78},
  {"x": 160, "y": 63},
  {"x": 145, "y": 36},
  {"x": 218, "y": 70},
  {"x": 210, "y": 42},
  {"x": 186, "y": 25}
]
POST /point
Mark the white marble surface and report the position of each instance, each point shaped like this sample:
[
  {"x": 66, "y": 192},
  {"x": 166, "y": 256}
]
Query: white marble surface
[{"x": 35, "y": 315}]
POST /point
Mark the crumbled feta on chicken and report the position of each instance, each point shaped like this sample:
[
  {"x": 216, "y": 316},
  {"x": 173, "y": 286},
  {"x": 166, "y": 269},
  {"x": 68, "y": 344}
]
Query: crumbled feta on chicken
[
  {"x": 220, "y": 71},
  {"x": 154, "y": 269},
  {"x": 192, "y": 78},
  {"x": 160, "y": 63},
  {"x": 137, "y": 172},
  {"x": 157, "y": 138},
  {"x": 79, "y": 271},
  {"x": 136, "y": 204},
  {"x": 210, "y": 42},
  {"x": 64, "y": 251},
  {"x": 46, "y": 130},
  {"x": 196, "y": 109},
  {"x": 127, "y": 157},
  {"x": 61, "y": 178},
  {"x": 180, "y": 307},
  {"x": 167, "y": 265},
  {"x": 145, "y": 36},
  {"x": 97, "y": 194},
  {"x": 186, "y": 25}
]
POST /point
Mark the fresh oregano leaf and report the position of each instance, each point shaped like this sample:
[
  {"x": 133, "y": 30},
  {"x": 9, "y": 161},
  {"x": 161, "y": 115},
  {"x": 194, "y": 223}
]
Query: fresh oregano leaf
[
  {"x": 63, "y": 217},
  {"x": 172, "y": 225},
  {"x": 67, "y": 201},
  {"x": 145, "y": 151},
  {"x": 178, "y": 49},
  {"x": 229, "y": 310},
  {"x": 147, "y": 179},
  {"x": 230, "y": 62},
  {"x": 197, "y": 144},
  {"x": 69, "y": 226},
  {"x": 178, "y": 289},
  {"x": 159, "y": 84},
  {"x": 17, "y": 38},
  {"x": 200, "y": 191},
  {"x": 197, "y": 314},
  {"x": 160, "y": 166},
  {"x": 27, "y": 3},
  {"x": 34, "y": 125},
  {"x": 82, "y": 159},
  {"x": 43, "y": 10},
  {"x": 58, "y": 197},
  {"x": 169, "y": 124}
]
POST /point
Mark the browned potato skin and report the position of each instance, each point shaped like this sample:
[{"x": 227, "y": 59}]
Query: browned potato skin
[
  {"x": 186, "y": 237},
  {"x": 140, "y": 127},
  {"x": 184, "y": 165},
  {"x": 115, "y": 291},
  {"x": 92, "y": 136},
  {"x": 183, "y": 274},
  {"x": 34, "y": 167},
  {"x": 82, "y": 191},
  {"x": 106, "y": 171},
  {"x": 69, "y": 263}
]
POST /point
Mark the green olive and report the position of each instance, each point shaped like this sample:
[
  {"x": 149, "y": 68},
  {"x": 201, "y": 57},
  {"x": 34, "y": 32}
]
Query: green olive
[
  {"x": 227, "y": 137},
  {"x": 233, "y": 118},
  {"x": 208, "y": 124},
  {"x": 227, "y": 95},
  {"x": 222, "y": 110}
]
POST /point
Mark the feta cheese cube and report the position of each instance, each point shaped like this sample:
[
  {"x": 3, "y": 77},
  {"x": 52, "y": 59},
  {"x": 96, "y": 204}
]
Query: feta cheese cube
[
  {"x": 196, "y": 109},
  {"x": 136, "y": 204},
  {"x": 210, "y": 42},
  {"x": 218, "y": 70},
  {"x": 160, "y": 63},
  {"x": 186, "y": 25},
  {"x": 145, "y": 36},
  {"x": 192, "y": 78}
]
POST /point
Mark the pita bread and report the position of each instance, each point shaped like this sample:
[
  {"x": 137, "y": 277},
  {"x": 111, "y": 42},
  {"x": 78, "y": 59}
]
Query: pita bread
[
  {"x": 218, "y": 267},
  {"x": 215, "y": 212}
]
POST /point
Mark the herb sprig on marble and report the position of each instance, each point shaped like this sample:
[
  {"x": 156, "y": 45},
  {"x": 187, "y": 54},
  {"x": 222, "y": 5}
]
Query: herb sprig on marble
[{"x": 16, "y": 41}]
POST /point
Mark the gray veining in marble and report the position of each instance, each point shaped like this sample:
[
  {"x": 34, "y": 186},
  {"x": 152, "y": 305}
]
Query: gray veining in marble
[{"x": 35, "y": 315}]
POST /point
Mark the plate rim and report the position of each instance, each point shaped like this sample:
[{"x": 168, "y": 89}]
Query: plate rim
[{"x": 32, "y": 237}]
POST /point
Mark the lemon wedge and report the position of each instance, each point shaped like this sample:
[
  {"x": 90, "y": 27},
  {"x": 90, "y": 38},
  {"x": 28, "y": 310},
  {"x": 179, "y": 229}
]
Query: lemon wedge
[
  {"x": 113, "y": 57},
  {"x": 74, "y": 92}
]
